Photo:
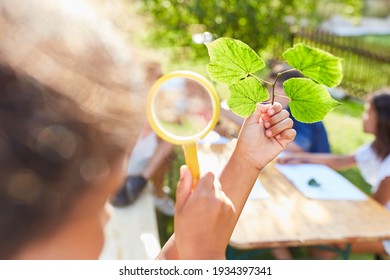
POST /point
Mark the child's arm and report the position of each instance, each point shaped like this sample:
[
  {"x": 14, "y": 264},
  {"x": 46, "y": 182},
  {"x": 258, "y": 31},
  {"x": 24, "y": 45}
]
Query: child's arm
[
  {"x": 205, "y": 219},
  {"x": 263, "y": 136},
  {"x": 382, "y": 195},
  {"x": 333, "y": 161}
]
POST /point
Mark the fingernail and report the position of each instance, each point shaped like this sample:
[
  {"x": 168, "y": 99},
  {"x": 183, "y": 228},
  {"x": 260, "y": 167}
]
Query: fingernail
[
  {"x": 271, "y": 111},
  {"x": 181, "y": 172},
  {"x": 267, "y": 124},
  {"x": 268, "y": 133}
]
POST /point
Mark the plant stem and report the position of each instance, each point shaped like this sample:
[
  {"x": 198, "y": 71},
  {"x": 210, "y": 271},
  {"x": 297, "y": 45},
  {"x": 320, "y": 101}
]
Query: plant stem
[
  {"x": 283, "y": 96},
  {"x": 260, "y": 80},
  {"x": 274, "y": 83}
]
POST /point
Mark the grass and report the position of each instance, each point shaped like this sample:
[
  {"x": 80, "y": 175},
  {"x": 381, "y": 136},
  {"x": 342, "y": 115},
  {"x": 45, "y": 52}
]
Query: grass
[{"x": 380, "y": 40}]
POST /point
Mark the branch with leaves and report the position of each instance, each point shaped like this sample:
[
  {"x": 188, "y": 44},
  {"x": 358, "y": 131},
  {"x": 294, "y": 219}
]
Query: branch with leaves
[{"x": 234, "y": 63}]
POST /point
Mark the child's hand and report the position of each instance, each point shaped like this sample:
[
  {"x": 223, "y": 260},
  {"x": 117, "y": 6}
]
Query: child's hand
[
  {"x": 203, "y": 218},
  {"x": 265, "y": 134}
]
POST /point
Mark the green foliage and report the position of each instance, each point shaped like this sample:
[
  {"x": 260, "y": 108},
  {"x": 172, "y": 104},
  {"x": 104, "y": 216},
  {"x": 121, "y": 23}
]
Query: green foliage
[
  {"x": 244, "y": 96},
  {"x": 316, "y": 64},
  {"x": 380, "y": 40},
  {"x": 310, "y": 102},
  {"x": 260, "y": 23},
  {"x": 224, "y": 68},
  {"x": 235, "y": 63}
]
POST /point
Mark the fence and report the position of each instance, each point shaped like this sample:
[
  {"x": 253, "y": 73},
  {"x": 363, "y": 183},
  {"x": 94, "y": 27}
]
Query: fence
[{"x": 366, "y": 65}]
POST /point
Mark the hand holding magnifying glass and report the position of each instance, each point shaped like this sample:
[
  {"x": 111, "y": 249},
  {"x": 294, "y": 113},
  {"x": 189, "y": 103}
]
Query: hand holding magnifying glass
[{"x": 182, "y": 108}]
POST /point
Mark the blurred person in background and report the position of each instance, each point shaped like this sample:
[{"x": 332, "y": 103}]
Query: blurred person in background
[
  {"x": 372, "y": 160},
  {"x": 149, "y": 160}
]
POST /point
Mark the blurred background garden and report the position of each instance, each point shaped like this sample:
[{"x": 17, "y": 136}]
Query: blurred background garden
[{"x": 173, "y": 33}]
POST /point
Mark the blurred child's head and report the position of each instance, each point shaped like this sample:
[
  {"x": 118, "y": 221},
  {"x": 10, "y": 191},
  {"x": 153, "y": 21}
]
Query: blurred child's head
[
  {"x": 69, "y": 114},
  {"x": 376, "y": 120}
]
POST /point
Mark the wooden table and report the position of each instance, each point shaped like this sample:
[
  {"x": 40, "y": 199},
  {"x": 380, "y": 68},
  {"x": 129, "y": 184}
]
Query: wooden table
[{"x": 287, "y": 218}]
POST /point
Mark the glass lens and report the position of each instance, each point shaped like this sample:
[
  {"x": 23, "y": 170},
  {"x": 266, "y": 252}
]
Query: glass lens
[{"x": 182, "y": 107}]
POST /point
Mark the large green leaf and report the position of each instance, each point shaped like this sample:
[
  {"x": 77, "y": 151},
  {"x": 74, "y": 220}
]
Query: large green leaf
[
  {"x": 232, "y": 60},
  {"x": 244, "y": 96},
  {"x": 310, "y": 102},
  {"x": 316, "y": 64}
]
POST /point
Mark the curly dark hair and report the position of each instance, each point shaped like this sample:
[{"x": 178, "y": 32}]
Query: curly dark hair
[
  {"x": 380, "y": 100},
  {"x": 67, "y": 108},
  {"x": 42, "y": 150}
]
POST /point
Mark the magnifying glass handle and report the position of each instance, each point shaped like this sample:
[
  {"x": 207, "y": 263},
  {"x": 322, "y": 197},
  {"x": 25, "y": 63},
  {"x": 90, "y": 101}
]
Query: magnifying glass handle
[{"x": 191, "y": 157}]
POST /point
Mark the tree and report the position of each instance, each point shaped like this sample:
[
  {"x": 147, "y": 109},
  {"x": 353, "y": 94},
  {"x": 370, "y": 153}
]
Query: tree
[{"x": 261, "y": 23}]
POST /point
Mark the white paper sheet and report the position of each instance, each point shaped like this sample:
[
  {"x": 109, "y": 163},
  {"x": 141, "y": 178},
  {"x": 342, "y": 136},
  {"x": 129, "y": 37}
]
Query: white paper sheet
[
  {"x": 214, "y": 138},
  {"x": 318, "y": 181},
  {"x": 258, "y": 191}
]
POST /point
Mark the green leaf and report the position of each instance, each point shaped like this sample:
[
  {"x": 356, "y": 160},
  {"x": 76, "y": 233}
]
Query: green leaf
[
  {"x": 310, "y": 102},
  {"x": 244, "y": 96},
  {"x": 316, "y": 64},
  {"x": 231, "y": 60},
  {"x": 313, "y": 183}
]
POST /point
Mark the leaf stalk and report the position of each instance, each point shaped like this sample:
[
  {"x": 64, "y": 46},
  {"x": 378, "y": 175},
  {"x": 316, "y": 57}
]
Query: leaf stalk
[{"x": 276, "y": 80}]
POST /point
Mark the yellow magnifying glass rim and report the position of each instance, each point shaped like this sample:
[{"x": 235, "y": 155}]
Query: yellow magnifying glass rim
[{"x": 152, "y": 118}]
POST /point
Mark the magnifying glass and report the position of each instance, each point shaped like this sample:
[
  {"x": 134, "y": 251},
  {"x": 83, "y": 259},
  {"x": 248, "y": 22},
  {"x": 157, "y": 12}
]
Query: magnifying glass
[{"x": 182, "y": 107}]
